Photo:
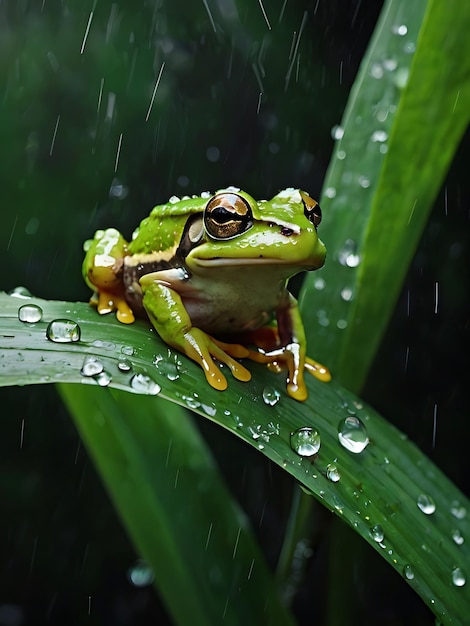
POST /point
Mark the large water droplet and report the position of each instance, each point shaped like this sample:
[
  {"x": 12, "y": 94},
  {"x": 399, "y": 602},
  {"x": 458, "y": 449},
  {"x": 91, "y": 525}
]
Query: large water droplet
[
  {"x": 271, "y": 396},
  {"x": 352, "y": 434},
  {"x": 426, "y": 504},
  {"x": 377, "y": 533},
  {"x": 91, "y": 366},
  {"x": 332, "y": 473},
  {"x": 140, "y": 574},
  {"x": 458, "y": 577},
  {"x": 305, "y": 441},
  {"x": 63, "y": 331},
  {"x": 144, "y": 384},
  {"x": 30, "y": 313}
]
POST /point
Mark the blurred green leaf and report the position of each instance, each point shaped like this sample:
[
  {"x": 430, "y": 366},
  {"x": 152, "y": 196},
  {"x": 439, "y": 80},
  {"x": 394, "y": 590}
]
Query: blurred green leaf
[
  {"x": 390, "y": 493},
  {"x": 402, "y": 126}
]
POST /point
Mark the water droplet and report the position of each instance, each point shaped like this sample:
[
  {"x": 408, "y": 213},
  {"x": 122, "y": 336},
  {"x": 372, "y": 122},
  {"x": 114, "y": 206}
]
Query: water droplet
[
  {"x": 144, "y": 384},
  {"x": 337, "y": 132},
  {"x": 426, "y": 504},
  {"x": 390, "y": 64},
  {"x": 341, "y": 324},
  {"x": 305, "y": 441},
  {"x": 173, "y": 200},
  {"x": 401, "y": 77},
  {"x": 364, "y": 182},
  {"x": 376, "y": 70},
  {"x": 377, "y": 533},
  {"x": 332, "y": 473},
  {"x": 63, "y": 331},
  {"x": 105, "y": 345},
  {"x": 319, "y": 283},
  {"x": 379, "y": 136},
  {"x": 118, "y": 190},
  {"x": 399, "y": 29},
  {"x": 458, "y": 577},
  {"x": 457, "y": 537},
  {"x": 347, "y": 294},
  {"x": 322, "y": 318},
  {"x": 20, "y": 292},
  {"x": 271, "y": 396},
  {"x": 167, "y": 368},
  {"x": 330, "y": 192},
  {"x": 91, "y": 366},
  {"x": 140, "y": 574},
  {"x": 213, "y": 154},
  {"x": 127, "y": 350},
  {"x": 457, "y": 510},
  {"x": 103, "y": 379},
  {"x": 30, "y": 313},
  {"x": 352, "y": 434},
  {"x": 383, "y": 148},
  {"x": 348, "y": 254},
  {"x": 124, "y": 365},
  {"x": 408, "y": 572},
  {"x": 409, "y": 47}
]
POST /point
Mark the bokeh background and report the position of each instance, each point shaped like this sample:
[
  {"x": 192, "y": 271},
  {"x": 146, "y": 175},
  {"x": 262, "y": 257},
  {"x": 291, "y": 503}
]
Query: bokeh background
[{"x": 245, "y": 95}]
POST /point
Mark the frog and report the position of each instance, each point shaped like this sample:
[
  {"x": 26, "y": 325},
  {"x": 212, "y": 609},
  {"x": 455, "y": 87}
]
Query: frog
[{"x": 210, "y": 273}]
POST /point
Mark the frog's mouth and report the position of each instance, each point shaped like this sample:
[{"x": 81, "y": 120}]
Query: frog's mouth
[{"x": 255, "y": 261}]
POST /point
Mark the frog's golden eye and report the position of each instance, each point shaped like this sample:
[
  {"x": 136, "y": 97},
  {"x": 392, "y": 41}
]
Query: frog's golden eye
[
  {"x": 312, "y": 209},
  {"x": 227, "y": 215}
]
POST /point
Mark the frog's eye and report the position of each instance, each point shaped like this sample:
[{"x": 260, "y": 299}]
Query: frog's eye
[
  {"x": 227, "y": 215},
  {"x": 312, "y": 209}
]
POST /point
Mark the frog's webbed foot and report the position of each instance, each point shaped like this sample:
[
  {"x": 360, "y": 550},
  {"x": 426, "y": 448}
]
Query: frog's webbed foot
[
  {"x": 290, "y": 357},
  {"x": 202, "y": 348}
]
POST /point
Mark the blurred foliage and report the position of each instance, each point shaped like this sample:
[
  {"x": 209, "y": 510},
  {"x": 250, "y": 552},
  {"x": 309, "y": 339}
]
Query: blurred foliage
[{"x": 237, "y": 103}]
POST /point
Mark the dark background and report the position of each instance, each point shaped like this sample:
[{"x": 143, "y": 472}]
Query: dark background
[{"x": 77, "y": 153}]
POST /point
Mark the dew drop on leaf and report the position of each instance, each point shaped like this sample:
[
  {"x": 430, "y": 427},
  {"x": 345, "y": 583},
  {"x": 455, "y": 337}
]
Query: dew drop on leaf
[
  {"x": 408, "y": 572},
  {"x": 377, "y": 533},
  {"x": 141, "y": 383},
  {"x": 426, "y": 504},
  {"x": 352, "y": 434},
  {"x": 458, "y": 577},
  {"x": 63, "y": 331},
  {"x": 305, "y": 441},
  {"x": 91, "y": 366},
  {"x": 30, "y": 313},
  {"x": 332, "y": 473},
  {"x": 271, "y": 396}
]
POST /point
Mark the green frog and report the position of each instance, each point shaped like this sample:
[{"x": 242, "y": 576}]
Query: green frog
[{"x": 210, "y": 272}]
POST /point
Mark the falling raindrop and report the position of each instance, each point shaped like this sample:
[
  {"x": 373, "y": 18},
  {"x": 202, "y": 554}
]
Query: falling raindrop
[
  {"x": 30, "y": 313},
  {"x": 332, "y": 473},
  {"x": 458, "y": 577},
  {"x": 141, "y": 383},
  {"x": 271, "y": 396},
  {"x": 140, "y": 574},
  {"x": 352, "y": 434},
  {"x": 91, "y": 366},
  {"x": 377, "y": 533},
  {"x": 305, "y": 441},
  {"x": 63, "y": 331},
  {"x": 426, "y": 504},
  {"x": 118, "y": 190}
]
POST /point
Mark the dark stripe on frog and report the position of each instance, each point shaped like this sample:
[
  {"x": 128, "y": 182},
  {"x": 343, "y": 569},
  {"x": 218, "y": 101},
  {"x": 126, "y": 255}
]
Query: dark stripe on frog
[{"x": 138, "y": 265}]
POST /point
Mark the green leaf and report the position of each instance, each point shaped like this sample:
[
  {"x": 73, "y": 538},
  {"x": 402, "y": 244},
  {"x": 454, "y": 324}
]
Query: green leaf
[
  {"x": 376, "y": 491},
  {"x": 403, "y": 123}
]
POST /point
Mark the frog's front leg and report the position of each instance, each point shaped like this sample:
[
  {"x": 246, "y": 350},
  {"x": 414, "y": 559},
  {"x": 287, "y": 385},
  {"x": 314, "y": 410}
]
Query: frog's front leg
[
  {"x": 290, "y": 351},
  {"x": 168, "y": 315}
]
